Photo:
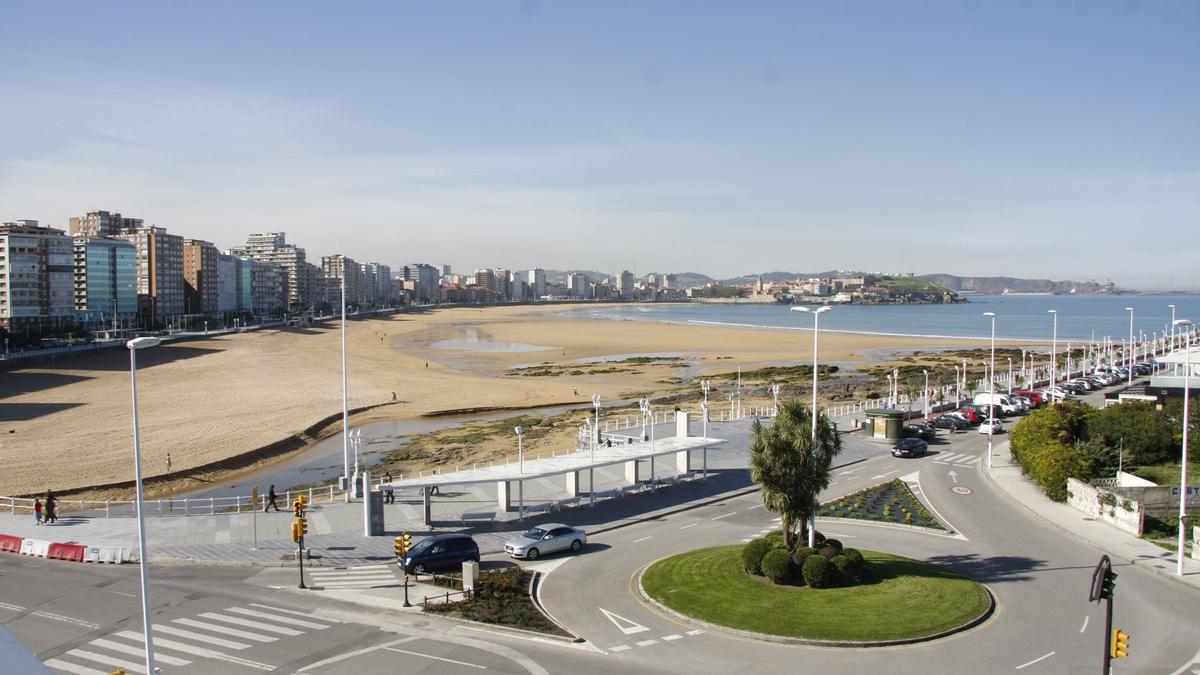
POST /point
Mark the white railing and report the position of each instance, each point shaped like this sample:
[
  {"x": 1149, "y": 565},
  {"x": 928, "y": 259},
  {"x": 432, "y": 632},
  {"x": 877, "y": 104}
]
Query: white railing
[{"x": 188, "y": 506}]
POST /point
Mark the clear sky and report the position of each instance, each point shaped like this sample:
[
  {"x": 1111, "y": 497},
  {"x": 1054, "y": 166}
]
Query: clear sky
[{"x": 1038, "y": 139}]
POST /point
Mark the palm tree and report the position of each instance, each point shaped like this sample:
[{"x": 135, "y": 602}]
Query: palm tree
[{"x": 790, "y": 469}]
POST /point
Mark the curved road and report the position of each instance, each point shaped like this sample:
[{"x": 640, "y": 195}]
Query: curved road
[{"x": 1038, "y": 574}]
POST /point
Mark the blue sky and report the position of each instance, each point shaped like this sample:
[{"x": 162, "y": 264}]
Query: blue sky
[{"x": 1040, "y": 139}]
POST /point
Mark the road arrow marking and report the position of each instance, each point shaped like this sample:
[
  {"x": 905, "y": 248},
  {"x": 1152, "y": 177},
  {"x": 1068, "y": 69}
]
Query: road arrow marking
[
  {"x": 954, "y": 476},
  {"x": 630, "y": 629}
]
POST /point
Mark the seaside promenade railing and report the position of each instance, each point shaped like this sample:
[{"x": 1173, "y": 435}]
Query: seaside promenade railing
[{"x": 941, "y": 398}]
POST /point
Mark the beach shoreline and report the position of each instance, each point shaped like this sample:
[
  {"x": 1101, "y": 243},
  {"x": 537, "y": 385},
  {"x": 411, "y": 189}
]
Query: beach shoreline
[{"x": 217, "y": 400}]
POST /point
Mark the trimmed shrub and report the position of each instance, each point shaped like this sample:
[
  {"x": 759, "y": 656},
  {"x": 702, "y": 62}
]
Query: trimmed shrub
[
  {"x": 828, "y": 551},
  {"x": 777, "y": 566},
  {"x": 818, "y": 539},
  {"x": 844, "y": 567},
  {"x": 775, "y": 537},
  {"x": 834, "y": 543},
  {"x": 801, "y": 553},
  {"x": 752, "y": 556},
  {"x": 857, "y": 564},
  {"x": 817, "y": 571}
]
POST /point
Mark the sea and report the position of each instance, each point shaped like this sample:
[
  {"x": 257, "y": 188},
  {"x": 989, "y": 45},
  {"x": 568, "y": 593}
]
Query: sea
[{"x": 1081, "y": 318}]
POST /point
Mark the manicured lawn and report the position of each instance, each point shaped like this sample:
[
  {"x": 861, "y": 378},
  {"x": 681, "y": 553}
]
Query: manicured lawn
[
  {"x": 902, "y": 598},
  {"x": 1168, "y": 474}
]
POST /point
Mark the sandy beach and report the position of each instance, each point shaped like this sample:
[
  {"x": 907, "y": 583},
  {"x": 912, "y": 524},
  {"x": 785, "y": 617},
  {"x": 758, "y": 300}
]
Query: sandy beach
[{"x": 68, "y": 425}]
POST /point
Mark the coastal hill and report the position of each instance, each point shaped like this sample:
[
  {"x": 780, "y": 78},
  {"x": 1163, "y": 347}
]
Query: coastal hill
[{"x": 989, "y": 285}]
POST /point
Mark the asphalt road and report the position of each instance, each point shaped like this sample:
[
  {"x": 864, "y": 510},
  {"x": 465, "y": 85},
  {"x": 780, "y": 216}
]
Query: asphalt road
[{"x": 1038, "y": 575}]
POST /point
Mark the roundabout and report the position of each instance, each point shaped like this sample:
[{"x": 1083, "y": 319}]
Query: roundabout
[{"x": 900, "y": 600}]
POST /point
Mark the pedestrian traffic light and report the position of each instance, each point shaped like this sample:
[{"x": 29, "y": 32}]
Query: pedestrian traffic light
[
  {"x": 296, "y": 531},
  {"x": 1120, "y": 644}
]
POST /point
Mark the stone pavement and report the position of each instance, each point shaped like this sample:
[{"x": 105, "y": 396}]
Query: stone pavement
[
  {"x": 1007, "y": 475},
  {"x": 336, "y": 529}
]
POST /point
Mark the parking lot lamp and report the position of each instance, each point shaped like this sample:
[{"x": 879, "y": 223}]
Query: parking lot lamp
[
  {"x": 1130, "y": 354},
  {"x": 991, "y": 387},
  {"x": 1053, "y": 351},
  {"x": 816, "y": 334}
]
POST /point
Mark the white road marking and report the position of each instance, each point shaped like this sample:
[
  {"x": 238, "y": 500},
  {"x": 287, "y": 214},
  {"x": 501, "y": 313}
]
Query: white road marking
[
  {"x": 620, "y": 648},
  {"x": 668, "y": 638},
  {"x": 290, "y": 611},
  {"x": 233, "y": 632},
  {"x": 290, "y": 621},
  {"x": 883, "y": 475},
  {"x": 938, "y": 461},
  {"x": 237, "y": 621},
  {"x": 647, "y": 643},
  {"x": 356, "y": 652},
  {"x": 203, "y": 652},
  {"x": 725, "y": 515},
  {"x": 67, "y": 619},
  {"x": 756, "y": 506},
  {"x": 436, "y": 658},
  {"x": 689, "y": 525},
  {"x": 1040, "y": 658},
  {"x": 835, "y": 535},
  {"x": 109, "y": 661},
  {"x": 14, "y": 608},
  {"x": 75, "y": 669},
  {"x": 953, "y": 475},
  {"x": 630, "y": 628},
  {"x": 1085, "y": 620},
  {"x": 643, "y": 539},
  {"x": 694, "y": 632},
  {"x": 138, "y": 651},
  {"x": 850, "y": 471},
  {"x": 198, "y": 637}
]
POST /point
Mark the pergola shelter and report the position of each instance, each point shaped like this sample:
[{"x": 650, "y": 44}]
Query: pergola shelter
[{"x": 569, "y": 465}]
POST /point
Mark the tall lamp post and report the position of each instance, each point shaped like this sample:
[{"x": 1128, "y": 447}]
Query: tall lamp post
[
  {"x": 520, "y": 431},
  {"x": 1183, "y": 475},
  {"x": 958, "y": 387},
  {"x": 345, "y": 395},
  {"x": 816, "y": 335},
  {"x": 991, "y": 387},
  {"x": 596, "y": 431},
  {"x": 1172, "y": 328},
  {"x": 704, "y": 386},
  {"x": 925, "y": 395},
  {"x": 1132, "y": 352},
  {"x": 144, "y": 573},
  {"x": 1053, "y": 352},
  {"x": 1010, "y": 376}
]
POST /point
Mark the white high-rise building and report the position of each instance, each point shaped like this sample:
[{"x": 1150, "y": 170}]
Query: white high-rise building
[
  {"x": 537, "y": 282},
  {"x": 37, "y": 278}
]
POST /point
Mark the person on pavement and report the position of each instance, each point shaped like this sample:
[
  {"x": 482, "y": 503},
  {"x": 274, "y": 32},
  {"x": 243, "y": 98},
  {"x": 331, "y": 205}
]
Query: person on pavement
[
  {"x": 37, "y": 511},
  {"x": 271, "y": 500}
]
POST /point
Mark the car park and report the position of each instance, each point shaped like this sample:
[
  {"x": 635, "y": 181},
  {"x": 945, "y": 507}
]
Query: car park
[
  {"x": 439, "y": 552},
  {"x": 548, "y": 538},
  {"x": 992, "y": 425},
  {"x": 971, "y": 415},
  {"x": 1034, "y": 397},
  {"x": 910, "y": 447}
]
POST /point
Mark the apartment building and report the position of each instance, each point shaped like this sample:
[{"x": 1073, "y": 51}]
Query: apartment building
[
  {"x": 273, "y": 247},
  {"x": 201, "y": 277},
  {"x": 37, "y": 278},
  {"x": 106, "y": 282}
]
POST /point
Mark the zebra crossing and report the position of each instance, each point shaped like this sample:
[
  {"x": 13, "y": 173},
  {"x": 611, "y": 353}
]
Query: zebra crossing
[
  {"x": 362, "y": 576},
  {"x": 957, "y": 459},
  {"x": 179, "y": 642}
]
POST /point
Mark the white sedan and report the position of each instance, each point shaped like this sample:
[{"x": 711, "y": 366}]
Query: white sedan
[
  {"x": 548, "y": 538},
  {"x": 991, "y": 426}
]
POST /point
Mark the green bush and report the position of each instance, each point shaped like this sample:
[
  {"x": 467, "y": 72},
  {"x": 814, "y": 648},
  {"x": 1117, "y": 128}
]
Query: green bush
[
  {"x": 834, "y": 543},
  {"x": 777, "y": 566},
  {"x": 752, "y": 555},
  {"x": 817, "y": 571},
  {"x": 844, "y": 567},
  {"x": 857, "y": 564},
  {"x": 828, "y": 551},
  {"x": 801, "y": 553},
  {"x": 775, "y": 537}
]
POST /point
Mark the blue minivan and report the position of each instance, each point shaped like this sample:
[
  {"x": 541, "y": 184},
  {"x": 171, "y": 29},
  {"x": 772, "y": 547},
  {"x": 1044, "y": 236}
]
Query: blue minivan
[{"x": 440, "y": 552}]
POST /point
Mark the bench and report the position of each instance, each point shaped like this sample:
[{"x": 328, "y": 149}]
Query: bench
[
  {"x": 690, "y": 477},
  {"x": 610, "y": 494},
  {"x": 541, "y": 507},
  {"x": 478, "y": 517},
  {"x": 569, "y": 502}
]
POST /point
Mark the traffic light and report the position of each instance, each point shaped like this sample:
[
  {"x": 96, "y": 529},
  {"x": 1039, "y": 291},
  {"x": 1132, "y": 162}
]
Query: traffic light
[
  {"x": 303, "y": 499},
  {"x": 398, "y": 545},
  {"x": 1109, "y": 585},
  {"x": 297, "y": 508},
  {"x": 403, "y": 544},
  {"x": 302, "y": 522},
  {"x": 296, "y": 531},
  {"x": 407, "y": 541},
  {"x": 1120, "y": 644}
]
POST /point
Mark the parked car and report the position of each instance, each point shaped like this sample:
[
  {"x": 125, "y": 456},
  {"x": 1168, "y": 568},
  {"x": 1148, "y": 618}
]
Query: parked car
[
  {"x": 923, "y": 431},
  {"x": 949, "y": 421},
  {"x": 910, "y": 447},
  {"x": 440, "y": 552},
  {"x": 971, "y": 415},
  {"x": 992, "y": 425},
  {"x": 548, "y": 538},
  {"x": 1034, "y": 396},
  {"x": 1002, "y": 401}
]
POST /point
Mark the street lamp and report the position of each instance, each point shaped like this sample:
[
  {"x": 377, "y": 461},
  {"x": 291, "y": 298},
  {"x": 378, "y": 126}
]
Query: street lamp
[
  {"x": 1131, "y": 348},
  {"x": 925, "y": 395},
  {"x": 775, "y": 395},
  {"x": 816, "y": 335},
  {"x": 958, "y": 386},
  {"x": 1172, "y": 327},
  {"x": 992, "y": 387},
  {"x": 356, "y": 442},
  {"x": 521, "y": 469},
  {"x": 647, "y": 412},
  {"x": 1183, "y": 475},
  {"x": 704, "y": 386},
  {"x": 345, "y": 394},
  {"x": 1053, "y": 352},
  {"x": 596, "y": 431},
  {"x": 134, "y": 345},
  {"x": 1010, "y": 376}
]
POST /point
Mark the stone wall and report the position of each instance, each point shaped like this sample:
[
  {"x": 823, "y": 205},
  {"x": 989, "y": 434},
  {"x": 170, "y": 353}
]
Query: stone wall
[{"x": 1107, "y": 507}]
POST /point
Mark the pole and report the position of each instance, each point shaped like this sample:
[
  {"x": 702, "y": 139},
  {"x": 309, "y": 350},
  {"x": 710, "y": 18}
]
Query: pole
[
  {"x": 1131, "y": 346},
  {"x": 143, "y": 570},
  {"x": 300, "y": 559},
  {"x": 1053, "y": 354},
  {"x": 991, "y": 388},
  {"x": 1108, "y": 612},
  {"x": 926, "y": 395},
  {"x": 1187, "y": 378},
  {"x": 345, "y": 394}
]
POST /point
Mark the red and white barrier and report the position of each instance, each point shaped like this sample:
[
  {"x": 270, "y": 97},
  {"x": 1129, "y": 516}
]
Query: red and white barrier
[
  {"x": 10, "y": 544},
  {"x": 63, "y": 551},
  {"x": 70, "y": 551}
]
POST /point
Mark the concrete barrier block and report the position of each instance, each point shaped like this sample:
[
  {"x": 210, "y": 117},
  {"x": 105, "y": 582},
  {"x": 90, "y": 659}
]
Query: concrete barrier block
[
  {"x": 72, "y": 552},
  {"x": 10, "y": 543}
]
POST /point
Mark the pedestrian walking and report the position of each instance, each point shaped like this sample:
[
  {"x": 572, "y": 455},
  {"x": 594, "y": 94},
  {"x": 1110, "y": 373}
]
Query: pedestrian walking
[
  {"x": 168, "y": 462},
  {"x": 271, "y": 500},
  {"x": 51, "y": 507},
  {"x": 389, "y": 494},
  {"x": 37, "y": 510}
]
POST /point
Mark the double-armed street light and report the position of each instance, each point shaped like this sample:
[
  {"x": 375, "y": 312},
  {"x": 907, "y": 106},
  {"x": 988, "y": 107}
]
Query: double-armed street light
[
  {"x": 143, "y": 571},
  {"x": 1183, "y": 454}
]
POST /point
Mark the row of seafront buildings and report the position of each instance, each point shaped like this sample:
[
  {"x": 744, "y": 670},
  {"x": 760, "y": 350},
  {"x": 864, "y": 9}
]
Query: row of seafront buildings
[{"x": 112, "y": 273}]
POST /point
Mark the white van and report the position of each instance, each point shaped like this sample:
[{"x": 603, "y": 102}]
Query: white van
[{"x": 1002, "y": 401}]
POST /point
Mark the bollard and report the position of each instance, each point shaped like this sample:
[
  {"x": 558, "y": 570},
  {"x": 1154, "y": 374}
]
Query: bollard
[
  {"x": 310, "y": 495},
  {"x": 106, "y": 505}
]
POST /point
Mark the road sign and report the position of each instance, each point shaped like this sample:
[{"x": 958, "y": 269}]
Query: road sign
[{"x": 958, "y": 489}]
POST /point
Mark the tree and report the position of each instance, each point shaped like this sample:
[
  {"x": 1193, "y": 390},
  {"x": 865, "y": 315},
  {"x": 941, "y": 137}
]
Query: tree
[
  {"x": 791, "y": 471},
  {"x": 1147, "y": 435}
]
